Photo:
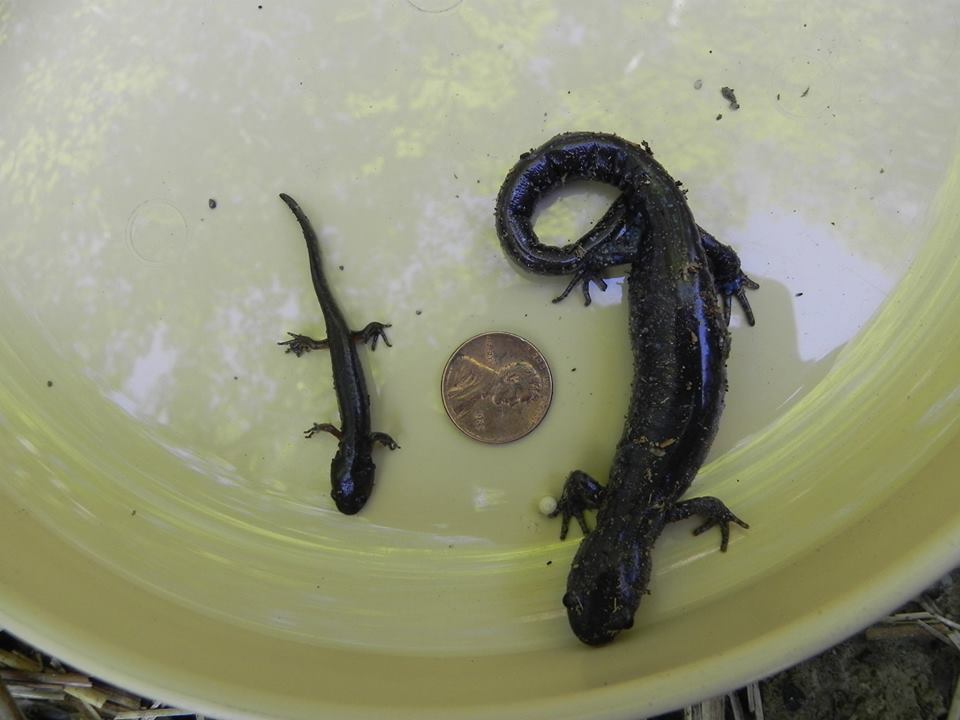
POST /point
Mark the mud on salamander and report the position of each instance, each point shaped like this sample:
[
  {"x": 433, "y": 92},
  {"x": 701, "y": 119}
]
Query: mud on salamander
[{"x": 680, "y": 284}]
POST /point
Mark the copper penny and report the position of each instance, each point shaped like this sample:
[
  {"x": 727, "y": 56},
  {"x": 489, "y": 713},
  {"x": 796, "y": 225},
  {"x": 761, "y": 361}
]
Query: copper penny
[{"x": 496, "y": 387}]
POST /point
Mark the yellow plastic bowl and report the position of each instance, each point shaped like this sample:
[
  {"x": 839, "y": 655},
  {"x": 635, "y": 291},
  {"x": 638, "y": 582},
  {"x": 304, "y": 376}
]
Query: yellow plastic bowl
[{"x": 164, "y": 524}]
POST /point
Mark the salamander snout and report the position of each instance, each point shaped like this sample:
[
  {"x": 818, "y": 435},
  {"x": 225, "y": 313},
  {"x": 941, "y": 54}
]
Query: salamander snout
[
  {"x": 352, "y": 485},
  {"x": 598, "y": 613}
]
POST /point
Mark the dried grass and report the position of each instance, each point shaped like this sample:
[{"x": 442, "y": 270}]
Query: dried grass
[{"x": 35, "y": 684}]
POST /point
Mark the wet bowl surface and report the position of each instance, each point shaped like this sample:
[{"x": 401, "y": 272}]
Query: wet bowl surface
[{"x": 165, "y": 524}]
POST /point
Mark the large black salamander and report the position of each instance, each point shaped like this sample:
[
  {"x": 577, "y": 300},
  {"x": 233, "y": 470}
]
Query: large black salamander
[
  {"x": 352, "y": 468},
  {"x": 680, "y": 284}
]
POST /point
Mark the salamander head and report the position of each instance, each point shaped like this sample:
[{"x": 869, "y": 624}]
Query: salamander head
[
  {"x": 604, "y": 591},
  {"x": 352, "y": 482}
]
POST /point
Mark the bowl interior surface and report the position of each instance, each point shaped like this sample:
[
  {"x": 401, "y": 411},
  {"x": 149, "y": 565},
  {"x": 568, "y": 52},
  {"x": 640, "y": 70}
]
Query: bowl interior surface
[{"x": 168, "y": 526}]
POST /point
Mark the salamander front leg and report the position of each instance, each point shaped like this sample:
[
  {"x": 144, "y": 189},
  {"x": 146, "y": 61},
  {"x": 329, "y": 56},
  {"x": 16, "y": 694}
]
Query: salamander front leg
[
  {"x": 371, "y": 333},
  {"x": 301, "y": 344},
  {"x": 714, "y": 512},
  {"x": 580, "y": 493}
]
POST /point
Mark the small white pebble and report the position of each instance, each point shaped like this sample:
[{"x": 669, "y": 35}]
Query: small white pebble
[{"x": 548, "y": 505}]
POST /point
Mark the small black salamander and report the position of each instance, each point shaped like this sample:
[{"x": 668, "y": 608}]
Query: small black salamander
[
  {"x": 352, "y": 468},
  {"x": 679, "y": 288}
]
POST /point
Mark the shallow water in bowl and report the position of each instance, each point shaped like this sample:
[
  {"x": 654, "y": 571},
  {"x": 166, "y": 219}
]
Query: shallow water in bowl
[{"x": 169, "y": 446}]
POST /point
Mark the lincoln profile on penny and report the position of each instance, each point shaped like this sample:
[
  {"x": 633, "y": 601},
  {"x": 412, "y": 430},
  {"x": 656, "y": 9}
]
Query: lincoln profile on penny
[
  {"x": 496, "y": 387},
  {"x": 513, "y": 383}
]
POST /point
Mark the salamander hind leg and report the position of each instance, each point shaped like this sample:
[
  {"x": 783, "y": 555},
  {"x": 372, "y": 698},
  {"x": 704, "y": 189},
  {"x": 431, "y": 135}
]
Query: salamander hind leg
[
  {"x": 714, "y": 512},
  {"x": 371, "y": 334},
  {"x": 323, "y": 427},
  {"x": 730, "y": 280},
  {"x": 584, "y": 275},
  {"x": 580, "y": 493},
  {"x": 385, "y": 440},
  {"x": 301, "y": 344}
]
